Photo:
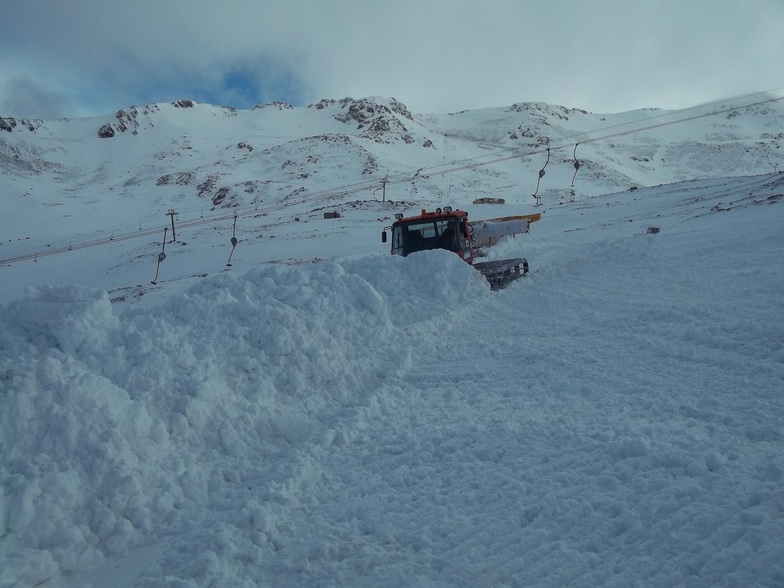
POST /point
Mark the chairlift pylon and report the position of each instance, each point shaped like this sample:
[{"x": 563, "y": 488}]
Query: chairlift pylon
[
  {"x": 536, "y": 196},
  {"x": 576, "y": 163}
]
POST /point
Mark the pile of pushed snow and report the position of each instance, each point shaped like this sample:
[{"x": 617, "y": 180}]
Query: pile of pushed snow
[{"x": 117, "y": 425}]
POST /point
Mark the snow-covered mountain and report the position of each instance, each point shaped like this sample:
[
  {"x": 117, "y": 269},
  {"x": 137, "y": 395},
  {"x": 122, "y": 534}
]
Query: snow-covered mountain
[
  {"x": 72, "y": 183},
  {"x": 213, "y": 156},
  {"x": 308, "y": 410}
]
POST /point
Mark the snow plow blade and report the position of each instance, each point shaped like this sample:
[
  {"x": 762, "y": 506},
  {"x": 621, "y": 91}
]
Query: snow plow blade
[{"x": 502, "y": 272}]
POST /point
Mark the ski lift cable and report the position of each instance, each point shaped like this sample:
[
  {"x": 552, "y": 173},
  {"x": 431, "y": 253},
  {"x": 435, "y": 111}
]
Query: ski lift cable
[
  {"x": 472, "y": 163},
  {"x": 529, "y": 152}
]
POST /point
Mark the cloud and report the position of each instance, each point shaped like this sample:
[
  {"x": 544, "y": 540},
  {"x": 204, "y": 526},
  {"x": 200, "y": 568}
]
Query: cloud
[
  {"x": 434, "y": 55},
  {"x": 26, "y": 98}
]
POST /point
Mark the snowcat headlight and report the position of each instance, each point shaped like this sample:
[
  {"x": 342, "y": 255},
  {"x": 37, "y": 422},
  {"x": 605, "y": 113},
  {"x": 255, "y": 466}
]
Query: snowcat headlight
[
  {"x": 438, "y": 211},
  {"x": 447, "y": 209},
  {"x": 398, "y": 215}
]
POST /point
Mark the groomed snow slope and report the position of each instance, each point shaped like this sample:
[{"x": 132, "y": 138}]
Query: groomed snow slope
[{"x": 613, "y": 419}]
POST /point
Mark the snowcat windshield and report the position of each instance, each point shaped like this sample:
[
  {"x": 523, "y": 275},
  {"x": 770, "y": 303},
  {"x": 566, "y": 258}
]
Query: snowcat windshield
[{"x": 419, "y": 235}]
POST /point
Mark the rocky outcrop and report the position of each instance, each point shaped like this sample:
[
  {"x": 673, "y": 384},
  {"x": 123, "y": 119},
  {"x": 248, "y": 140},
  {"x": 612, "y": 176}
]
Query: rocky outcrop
[
  {"x": 545, "y": 111},
  {"x": 276, "y": 105},
  {"x": 180, "y": 179},
  {"x": 126, "y": 119},
  {"x": 9, "y": 124},
  {"x": 376, "y": 121},
  {"x": 129, "y": 120},
  {"x": 106, "y": 131}
]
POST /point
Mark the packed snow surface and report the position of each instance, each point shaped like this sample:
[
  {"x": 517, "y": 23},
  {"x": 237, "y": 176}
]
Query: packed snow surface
[{"x": 612, "y": 419}]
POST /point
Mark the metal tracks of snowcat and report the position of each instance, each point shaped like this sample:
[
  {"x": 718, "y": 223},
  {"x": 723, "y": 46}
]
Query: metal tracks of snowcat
[{"x": 502, "y": 272}]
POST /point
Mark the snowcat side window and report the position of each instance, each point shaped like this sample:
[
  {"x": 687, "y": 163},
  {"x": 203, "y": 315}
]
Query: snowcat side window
[
  {"x": 398, "y": 237},
  {"x": 449, "y": 236},
  {"x": 406, "y": 239}
]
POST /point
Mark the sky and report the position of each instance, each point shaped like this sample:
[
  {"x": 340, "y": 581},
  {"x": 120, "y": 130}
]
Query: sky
[{"x": 90, "y": 57}]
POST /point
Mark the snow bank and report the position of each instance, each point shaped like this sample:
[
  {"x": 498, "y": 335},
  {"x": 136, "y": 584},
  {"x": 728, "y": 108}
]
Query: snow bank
[{"x": 113, "y": 426}]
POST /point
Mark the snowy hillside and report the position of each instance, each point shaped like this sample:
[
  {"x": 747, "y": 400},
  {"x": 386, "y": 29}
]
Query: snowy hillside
[
  {"x": 84, "y": 184},
  {"x": 321, "y": 413}
]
